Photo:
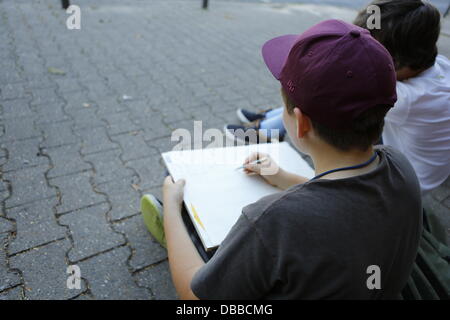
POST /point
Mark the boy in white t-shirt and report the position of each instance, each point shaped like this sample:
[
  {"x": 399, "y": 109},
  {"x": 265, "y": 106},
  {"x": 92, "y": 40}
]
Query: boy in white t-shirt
[{"x": 419, "y": 123}]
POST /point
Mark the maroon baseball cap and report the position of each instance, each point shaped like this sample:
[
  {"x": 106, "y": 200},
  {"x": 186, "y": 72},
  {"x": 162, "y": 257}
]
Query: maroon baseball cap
[{"x": 333, "y": 71}]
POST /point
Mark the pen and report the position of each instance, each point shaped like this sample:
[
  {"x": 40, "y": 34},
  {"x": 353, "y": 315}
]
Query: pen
[{"x": 258, "y": 161}]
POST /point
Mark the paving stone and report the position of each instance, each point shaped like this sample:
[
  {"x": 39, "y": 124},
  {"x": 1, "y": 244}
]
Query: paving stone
[
  {"x": 152, "y": 125},
  {"x": 44, "y": 271},
  {"x": 95, "y": 140},
  {"x": 48, "y": 114},
  {"x": 12, "y": 294},
  {"x": 108, "y": 166},
  {"x": 119, "y": 123},
  {"x": 23, "y": 154},
  {"x": 4, "y": 192},
  {"x": 16, "y": 108},
  {"x": 107, "y": 105},
  {"x": 150, "y": 170},
  {"x": 86, "y": 118},
  {"x": 146, "y": 250},
  {"x": 13, "y": 91},
  {"x": 124, "y": 199},
  {"x": 28, "y": 185},
  {"x": 35, "y": 225},
  {"x": 66, "y": 85},
  {"x": 91, "y": 232},
  {"x": 76, "y": 192},
  {"x": 19, "y": 129},
  {"x": 99, "y": 91},
  {"x": 173, "y": 114},
  {"x": 8, "y": 278},
  {"x": 6, "y": 225},
  {"x": 46, "y": 96},
  {"x": 133, "y": 146},
  {"x": 109, "y": 278},
  {"x": 165, "y": 144},
  {"x": 75, "y": 100},
  {"x": 58, "y": 134},
  {"x": 66, "y": 160},
  {"x": 159, "y": 280}
]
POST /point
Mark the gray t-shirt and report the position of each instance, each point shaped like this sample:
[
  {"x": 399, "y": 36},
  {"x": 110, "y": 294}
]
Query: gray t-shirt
[{"x": 317, "y": 240}]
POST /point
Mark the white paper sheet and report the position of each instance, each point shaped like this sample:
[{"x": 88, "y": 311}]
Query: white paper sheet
[{"x": 216, "y": 192}]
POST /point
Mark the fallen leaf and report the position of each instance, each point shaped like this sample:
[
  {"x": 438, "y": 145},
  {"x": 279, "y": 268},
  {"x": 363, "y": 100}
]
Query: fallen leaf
[
  {"x": 56, "y": 71},
  {"x": 135, "y": 187}
]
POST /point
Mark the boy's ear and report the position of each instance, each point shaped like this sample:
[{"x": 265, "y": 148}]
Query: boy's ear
[{"x": 303, "y": 122}]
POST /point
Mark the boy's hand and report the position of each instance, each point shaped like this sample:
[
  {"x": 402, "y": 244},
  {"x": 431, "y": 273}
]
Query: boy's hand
[
  {"x": 271, "y": 172},
  {"x": 268, "y": 168},
  {"x": 173, "y": 191}
]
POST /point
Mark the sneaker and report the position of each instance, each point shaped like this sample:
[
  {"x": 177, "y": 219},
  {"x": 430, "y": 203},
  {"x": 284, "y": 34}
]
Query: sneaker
[
  {"x": 246, "y": 116},
  {"x": 152, "y": 212},
  {"x": 247, "y": 134}
]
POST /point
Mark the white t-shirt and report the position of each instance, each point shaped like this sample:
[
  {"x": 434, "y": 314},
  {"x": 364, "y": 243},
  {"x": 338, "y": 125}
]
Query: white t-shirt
[{"x": 419, "y": 123}]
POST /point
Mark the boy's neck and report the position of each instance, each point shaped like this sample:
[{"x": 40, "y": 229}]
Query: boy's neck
[{"x": 328, "y": 158}]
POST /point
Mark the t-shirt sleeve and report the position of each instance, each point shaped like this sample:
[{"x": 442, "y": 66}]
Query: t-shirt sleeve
[
  {"x": 400, "y": 112},
  {"x": 241, "y": 268}
]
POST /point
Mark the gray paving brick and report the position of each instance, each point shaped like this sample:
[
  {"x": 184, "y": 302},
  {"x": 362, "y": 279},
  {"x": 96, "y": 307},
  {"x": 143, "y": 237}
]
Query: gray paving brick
[
  {"x": 174, "y": 113},
  {"x": 150, "y": 170},
  {"x": 12, "y": 294},
  {"x": 119, "y": 123},
  {"x": 133, "y": 146},
  {"x": 91, "y": 232},
  {"x": 43, "y": 81},
  {"x": 18, "y": 129},
  {"x": 66, "y": 160},
  {"x": 14, "y": 91},
  {"x": 28, "y": 185},
  {"x": 45, "y": 96},
  {"x": 8, "y": 278},
  {"x": 108, "y": 166},
  {"x": 159, "y": 280},
  {"x": 58, "y": 134},
  {"x": 146, "y": 251},
  {"x": 164, "y": 144},
  {"x": 108, "y": 104},
  {"x": 86, "y": 118},
  {"x": 16, "y": 108},
  {"x": 95, "y": 140},
  {"x": 75, "y": 100},
  {"x": 44, "y": 272},
  {"x": 152, "y": 124},
  {"x": 5, "y": 225},
  {"x": 76, "y": 192},
  {"x": 23, "y": 154},
  {"x": 66, "y": 85},
  {"x": 35, "y": 225},
  {"x": 49, "y": 114},
  {"x": 109, "y": 278},
  {"x": 124, "y": 199}
]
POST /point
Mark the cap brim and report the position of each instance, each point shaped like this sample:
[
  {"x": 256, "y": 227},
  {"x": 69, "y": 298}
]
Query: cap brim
[{"x": 276, "y": 51}]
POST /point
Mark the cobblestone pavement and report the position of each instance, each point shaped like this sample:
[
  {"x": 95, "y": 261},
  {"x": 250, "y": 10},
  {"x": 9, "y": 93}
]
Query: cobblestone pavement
[{"x": 85, "y": 113}]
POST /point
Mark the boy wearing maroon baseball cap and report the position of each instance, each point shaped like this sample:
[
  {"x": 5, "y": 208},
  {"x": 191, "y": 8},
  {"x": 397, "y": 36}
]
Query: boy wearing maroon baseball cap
[{"x": 320, "y": 238}]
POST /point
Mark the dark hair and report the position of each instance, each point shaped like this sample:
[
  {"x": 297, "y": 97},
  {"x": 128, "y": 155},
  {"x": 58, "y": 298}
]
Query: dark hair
[
  {"x": 409, "y": 31},
  {"x": 363, "y": 132}
]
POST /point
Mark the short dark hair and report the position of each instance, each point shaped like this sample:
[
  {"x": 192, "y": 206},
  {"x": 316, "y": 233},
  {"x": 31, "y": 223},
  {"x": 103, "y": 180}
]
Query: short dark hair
[
  {"x": 409, "y": 31},
  {"x": 363, "y": 132}
]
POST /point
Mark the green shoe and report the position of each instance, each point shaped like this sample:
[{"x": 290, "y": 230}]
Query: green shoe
[{"x": 152, "y": 212}]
